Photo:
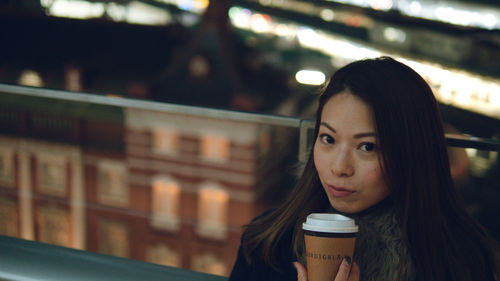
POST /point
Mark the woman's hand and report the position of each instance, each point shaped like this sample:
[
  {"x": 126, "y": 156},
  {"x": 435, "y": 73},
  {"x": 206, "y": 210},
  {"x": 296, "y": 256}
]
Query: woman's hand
[{"x": 346, "y": 272}]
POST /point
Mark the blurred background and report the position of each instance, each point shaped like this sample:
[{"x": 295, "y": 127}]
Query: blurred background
[{"x": 155, "y": 129}]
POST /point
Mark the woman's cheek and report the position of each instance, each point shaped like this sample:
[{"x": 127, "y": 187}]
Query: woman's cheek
[{"x": 317, "y": 159}]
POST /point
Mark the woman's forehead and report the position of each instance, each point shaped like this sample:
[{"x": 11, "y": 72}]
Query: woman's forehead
[{"x": 347, "y": 109}]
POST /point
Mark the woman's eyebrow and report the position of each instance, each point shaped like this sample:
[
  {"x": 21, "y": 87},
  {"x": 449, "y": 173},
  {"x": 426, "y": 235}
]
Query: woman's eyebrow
[
  {"x": 328, "y": 126},
  {"x": 356, "y": 136},
  {"x": 364, "y": 135}
]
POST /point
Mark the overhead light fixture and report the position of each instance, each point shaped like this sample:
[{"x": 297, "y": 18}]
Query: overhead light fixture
[
  {"x": 327, "y": 15},
  {"x": 310, "y": 77}
]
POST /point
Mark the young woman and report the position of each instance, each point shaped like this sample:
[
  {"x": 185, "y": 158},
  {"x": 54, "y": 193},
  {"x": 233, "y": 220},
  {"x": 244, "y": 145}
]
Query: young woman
[{"x": 379, "y": 157}]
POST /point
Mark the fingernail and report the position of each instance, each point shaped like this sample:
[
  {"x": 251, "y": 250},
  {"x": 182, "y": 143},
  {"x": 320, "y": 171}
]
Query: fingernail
[{"x": 347, "y": 260}]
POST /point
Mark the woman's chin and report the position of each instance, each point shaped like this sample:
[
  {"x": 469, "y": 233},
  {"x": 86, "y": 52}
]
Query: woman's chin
[{"x": 343, "y": 207}]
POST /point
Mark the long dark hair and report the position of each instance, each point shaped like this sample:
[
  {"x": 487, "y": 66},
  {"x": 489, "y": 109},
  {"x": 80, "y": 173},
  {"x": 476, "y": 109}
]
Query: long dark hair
[{"x": 444, "y": 242}]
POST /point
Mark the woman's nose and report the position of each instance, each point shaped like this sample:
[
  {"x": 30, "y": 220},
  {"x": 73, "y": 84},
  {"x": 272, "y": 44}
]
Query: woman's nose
[{"x": 341, "y": 165}]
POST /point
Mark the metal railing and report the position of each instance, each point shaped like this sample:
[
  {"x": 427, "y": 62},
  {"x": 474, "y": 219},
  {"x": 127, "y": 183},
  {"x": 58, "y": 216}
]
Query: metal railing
[
  {"x": 304, "y": 124},
  {"x": 28, "y": 260},
  {"x": 150, "y": 105}
]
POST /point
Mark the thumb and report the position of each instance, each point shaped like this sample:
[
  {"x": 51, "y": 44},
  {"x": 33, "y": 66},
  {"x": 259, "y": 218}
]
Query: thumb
[{"x": 301, "y": 271}]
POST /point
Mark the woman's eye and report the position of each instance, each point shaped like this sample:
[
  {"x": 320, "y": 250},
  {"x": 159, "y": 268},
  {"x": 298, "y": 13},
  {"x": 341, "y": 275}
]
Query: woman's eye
[
  {"x": 368, "y": 146},
  {"x": 327, "y": 139}
]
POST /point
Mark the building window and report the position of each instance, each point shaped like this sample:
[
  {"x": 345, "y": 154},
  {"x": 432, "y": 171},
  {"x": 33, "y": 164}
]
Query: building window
[
  {"x": 481, "y": 161},
  {"x": 8, "y": 217},
  {"x": 161, "y": 254},
  {"x": 6, "y": 167},
  {"x": 208, "y": 263},
  {"x": 165, "y": 204},
  {"x": 112, "y": 188},
  {"x": 215, "y": 148},
  {"x": 212, "y": 211},
  {"x": 53, "y": 173},
  {"x": 54, "y": 226},
  {"x": 265, "y": 141},
  {"x": 72, "y": 78},
  {"x": 113, "y": 238},
  {"x": 30, "y": 77},
  {"x": 165, "y": 142}
]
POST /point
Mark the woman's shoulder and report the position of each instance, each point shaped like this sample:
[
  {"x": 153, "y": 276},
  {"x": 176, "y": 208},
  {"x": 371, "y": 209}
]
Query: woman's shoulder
[
  {"x": 284, "y": 242},
  {"x": 269, "y": 220}
]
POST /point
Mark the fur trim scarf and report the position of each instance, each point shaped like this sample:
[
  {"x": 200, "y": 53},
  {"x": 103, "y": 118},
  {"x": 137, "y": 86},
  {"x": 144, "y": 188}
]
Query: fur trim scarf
[{"x": 379, "y": 246}]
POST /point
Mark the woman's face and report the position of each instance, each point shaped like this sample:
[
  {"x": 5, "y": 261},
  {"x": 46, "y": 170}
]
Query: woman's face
[{"x": 346, "y": 155}]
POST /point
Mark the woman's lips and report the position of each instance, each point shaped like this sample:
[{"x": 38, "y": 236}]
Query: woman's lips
[{"x": 339, "y": 191}]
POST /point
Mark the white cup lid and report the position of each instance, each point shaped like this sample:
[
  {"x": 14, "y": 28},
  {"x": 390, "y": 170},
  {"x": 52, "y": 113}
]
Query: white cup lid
[{"x": 332, "y": 223}]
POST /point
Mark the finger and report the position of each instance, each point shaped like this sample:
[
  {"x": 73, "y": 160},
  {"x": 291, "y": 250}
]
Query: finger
[
  {"x": 345, "y": 268},
  {"x": 301, "y": 271},
  {"x": 354, "y": 275}
]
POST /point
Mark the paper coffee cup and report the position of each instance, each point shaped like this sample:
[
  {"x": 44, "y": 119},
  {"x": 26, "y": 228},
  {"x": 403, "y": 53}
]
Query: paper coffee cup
[{"x": 328, "y": 239}]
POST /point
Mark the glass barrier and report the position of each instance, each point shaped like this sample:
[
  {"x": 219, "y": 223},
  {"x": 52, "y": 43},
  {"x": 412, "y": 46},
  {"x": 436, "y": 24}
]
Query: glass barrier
[{"x": 163, "y": 183}]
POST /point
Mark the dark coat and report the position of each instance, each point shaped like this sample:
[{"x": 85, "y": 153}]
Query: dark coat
[{"x": 378, "y": 250}]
